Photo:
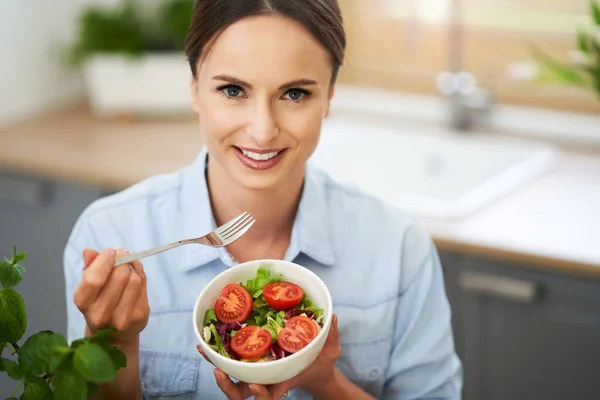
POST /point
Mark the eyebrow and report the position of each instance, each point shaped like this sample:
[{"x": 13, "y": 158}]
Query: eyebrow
[{"x": 239, "y": 82}]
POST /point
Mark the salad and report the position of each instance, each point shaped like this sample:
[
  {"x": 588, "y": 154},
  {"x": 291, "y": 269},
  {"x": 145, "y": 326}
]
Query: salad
[{"x": 263, "y": 319}]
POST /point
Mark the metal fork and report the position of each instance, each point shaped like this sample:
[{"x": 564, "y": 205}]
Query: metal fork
[{"x": 222, "y": 236}]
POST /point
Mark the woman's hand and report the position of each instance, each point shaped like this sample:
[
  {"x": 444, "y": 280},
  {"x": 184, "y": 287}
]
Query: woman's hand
[
  {"x": 113, "y": 297},
  {"x": 314, "y": 377}
]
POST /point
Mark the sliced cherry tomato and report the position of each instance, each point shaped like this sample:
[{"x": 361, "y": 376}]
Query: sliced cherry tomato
[
  {"x": 298, "y": 332},
  {"x": 251, "y": 342},
  {"x": 234, "y": 304},
  {"x": 283, "y": 296}
]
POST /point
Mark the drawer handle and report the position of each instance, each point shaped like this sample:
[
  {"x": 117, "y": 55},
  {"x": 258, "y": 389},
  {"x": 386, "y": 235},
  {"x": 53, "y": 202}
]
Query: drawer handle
[{"x": 499, "y": 286}]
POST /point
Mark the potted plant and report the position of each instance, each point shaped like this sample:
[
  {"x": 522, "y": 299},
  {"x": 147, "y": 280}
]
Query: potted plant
[
  {"x": 44, "y": 366},
  {"x": 132, "y": 57},
  {"x": 583, "y": 68}
]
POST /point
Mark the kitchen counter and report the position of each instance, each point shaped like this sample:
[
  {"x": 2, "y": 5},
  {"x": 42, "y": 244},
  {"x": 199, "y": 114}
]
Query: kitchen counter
[{"x": 552, "y": 223}]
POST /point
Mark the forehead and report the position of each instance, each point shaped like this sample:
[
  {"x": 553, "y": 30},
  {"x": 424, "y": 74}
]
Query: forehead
[{"x": 267, "y": 46}]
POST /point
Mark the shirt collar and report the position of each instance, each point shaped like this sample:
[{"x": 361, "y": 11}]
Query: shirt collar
[{"x": 311, "y": 233}]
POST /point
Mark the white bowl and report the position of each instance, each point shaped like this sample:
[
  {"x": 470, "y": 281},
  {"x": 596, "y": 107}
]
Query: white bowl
[{"x": 270, "y": 372}]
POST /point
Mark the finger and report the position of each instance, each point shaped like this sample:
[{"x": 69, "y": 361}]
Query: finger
[
  {"x": 334, "y": 334},
  {"x": 122, "y": 315},
  {"x": 231, "y": 390},
  {"x": 99, "y": 314},
  {"x": 94, "y": 277},
  {"x": 279, "y": 389},
  {"x": 332, "y": 345},
  {"x": 88, "y": 256},
  {"x": 260, "y": 392},
  {"x": 201, "y": 351},
  {"x": 142, "y": 308}
]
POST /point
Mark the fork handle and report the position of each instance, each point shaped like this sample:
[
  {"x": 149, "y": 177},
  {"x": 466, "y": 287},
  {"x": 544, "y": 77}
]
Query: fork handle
[{"x": 136, "y": 256}]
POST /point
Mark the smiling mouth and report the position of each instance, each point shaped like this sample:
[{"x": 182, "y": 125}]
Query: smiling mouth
[
  {"x": 259, "y": 159},
  {"x": 260, "y": 156}
]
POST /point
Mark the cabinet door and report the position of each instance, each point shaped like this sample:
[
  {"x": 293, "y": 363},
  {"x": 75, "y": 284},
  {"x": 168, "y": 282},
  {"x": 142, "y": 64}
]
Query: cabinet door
[
  {"x": 528, "y": 334},
  {"x": 37, "y": 217}
]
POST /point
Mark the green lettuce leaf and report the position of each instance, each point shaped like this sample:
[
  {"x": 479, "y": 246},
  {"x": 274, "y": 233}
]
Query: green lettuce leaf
[
  {"x": 218, "y": 346},
  {"x": 307, "y": 304},
  {"x": 263, "y": 278}
]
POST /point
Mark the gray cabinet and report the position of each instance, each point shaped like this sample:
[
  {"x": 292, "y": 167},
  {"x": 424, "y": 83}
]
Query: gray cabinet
[
  {"x": 524, "y": 333},
  {"x": 37, "y": 217}
]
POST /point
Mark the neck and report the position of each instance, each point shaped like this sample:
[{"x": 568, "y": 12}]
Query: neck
[{"x": 274, "y": 209}]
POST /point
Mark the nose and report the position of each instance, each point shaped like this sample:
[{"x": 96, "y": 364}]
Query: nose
[{"x": 263, "y": 127}]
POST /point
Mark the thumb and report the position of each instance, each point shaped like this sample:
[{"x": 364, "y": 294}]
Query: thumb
[{"x": 88, "y": 256}]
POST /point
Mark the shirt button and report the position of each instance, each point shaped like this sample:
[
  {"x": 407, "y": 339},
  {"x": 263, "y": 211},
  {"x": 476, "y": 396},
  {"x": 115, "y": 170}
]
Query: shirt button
[{"x": 374, "y": 373}]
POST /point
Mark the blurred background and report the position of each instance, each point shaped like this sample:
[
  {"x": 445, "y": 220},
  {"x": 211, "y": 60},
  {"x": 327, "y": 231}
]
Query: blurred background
[{"x": 481, "y": 118}]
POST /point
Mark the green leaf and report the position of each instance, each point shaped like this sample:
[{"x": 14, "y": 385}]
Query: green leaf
[
  {"x": 13, "y": 369},
  {"x": 595, "y": 12},
  {"x": 263, "y": 277},
  {"x": 209, "y": 317},
  {"x": 37, "y": 388},
  {"x": 307, "y": 304},
  {"x": 76, "y": 343},
  {"x": 93, "y": 363},
  {"x": 10, "y": 275},
  {"x": 68, "y": 384},
  {"x": 13, "y": 319},
  {"x": 218, "y": 347},
  {"x": 102, "y": 337},
  {"x": 92, "y": 389},
  {"x": 118, "y": 358},
  {"x": 17, "y": 257},
  {"x": 43, "y": 352},
  {"x": 558, "y": 69},
  {"x": 274, "y": 325},
  {"x": 582, "y": 42}
]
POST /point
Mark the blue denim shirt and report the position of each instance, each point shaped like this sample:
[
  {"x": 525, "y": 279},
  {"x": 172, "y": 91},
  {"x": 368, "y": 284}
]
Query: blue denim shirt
[{"x": 381, "y": 268}]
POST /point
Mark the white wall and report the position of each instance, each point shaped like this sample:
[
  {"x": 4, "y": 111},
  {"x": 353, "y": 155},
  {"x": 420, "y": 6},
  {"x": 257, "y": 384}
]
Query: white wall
[
  {"x": 32, "y": 77},
  {"x": 32, "y": 34}
]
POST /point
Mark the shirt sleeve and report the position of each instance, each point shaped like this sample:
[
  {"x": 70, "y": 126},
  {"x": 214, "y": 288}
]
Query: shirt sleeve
[{"x": 423, "y": 364}]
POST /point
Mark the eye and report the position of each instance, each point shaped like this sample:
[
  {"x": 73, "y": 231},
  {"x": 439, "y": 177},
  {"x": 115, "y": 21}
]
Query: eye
[
  {"x": 297, "y": 94},
  {"x": 231, "y": 90}
]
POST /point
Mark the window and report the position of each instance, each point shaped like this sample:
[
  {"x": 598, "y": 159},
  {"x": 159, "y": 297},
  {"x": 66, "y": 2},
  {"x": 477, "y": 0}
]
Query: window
[{"x": 404, "y": 45}]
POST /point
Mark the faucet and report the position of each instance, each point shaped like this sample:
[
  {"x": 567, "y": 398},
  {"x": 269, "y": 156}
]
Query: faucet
[{"x": 467, "y": 102}]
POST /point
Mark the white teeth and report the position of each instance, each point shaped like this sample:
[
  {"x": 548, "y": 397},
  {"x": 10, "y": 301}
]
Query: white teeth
[{"x": 259, "y": 157}]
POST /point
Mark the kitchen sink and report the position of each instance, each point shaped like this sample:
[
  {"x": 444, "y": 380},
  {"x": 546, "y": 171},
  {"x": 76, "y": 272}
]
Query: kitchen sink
[{"x": 428, "y": 170}]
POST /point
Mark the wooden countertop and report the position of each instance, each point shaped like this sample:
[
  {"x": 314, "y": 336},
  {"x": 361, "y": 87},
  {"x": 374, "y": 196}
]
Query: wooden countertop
[{"x": 554, "y": 223}]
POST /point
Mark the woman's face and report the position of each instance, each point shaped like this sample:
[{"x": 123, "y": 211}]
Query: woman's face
[{"x": 261, "y": 95}]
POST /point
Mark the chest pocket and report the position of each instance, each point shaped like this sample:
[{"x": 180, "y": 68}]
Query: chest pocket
[
  {"x": 168, "y": 375},
  {"x": 366, "y": 337}
]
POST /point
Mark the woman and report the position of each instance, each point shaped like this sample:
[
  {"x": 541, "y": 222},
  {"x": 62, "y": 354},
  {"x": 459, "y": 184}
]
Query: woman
[{"x": 263, "y": 75}]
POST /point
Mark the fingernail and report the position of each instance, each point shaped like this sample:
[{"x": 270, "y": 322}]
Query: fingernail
[
  {"x": 126, "y": 251},
  {"x": 112, "y": 252},
  {"x": 253, "y": 389},
  {"x": 198, "y": 347},
  {"x": 217, "y": 375}
]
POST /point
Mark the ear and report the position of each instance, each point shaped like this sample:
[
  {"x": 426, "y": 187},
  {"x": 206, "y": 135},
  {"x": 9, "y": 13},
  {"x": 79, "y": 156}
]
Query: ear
[
  {"x": 194, "y": 94},
  {"x": 330, "y": 96}
]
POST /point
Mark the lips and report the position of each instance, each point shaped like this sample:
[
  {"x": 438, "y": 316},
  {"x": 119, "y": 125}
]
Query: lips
[{"x": 259, "y": 159}]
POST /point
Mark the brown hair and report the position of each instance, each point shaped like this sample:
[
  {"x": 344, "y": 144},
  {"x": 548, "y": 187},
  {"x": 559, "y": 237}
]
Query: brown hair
[{"x": 322, "y": 18}]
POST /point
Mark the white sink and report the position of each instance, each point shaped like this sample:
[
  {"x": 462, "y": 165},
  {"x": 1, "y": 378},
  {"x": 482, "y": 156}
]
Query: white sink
[{"x": 428, "y": 171}]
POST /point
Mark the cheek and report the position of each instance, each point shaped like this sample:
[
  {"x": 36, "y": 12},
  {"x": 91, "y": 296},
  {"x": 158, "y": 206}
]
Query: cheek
[
  {"x": 216, "y": 119},
  {"x": 303, "y": 124}
]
